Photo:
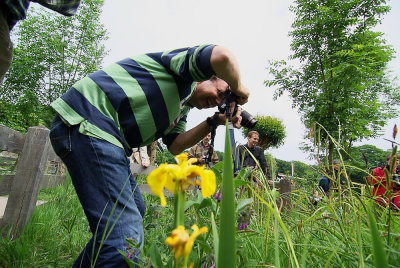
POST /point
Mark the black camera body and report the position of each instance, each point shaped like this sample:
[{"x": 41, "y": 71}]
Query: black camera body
[{"x": 248, "y": 120}]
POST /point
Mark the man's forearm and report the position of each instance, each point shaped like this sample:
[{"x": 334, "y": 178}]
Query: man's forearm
[
  {"x": 226, "y": 67},
  {"x": 189, "y": 138}
]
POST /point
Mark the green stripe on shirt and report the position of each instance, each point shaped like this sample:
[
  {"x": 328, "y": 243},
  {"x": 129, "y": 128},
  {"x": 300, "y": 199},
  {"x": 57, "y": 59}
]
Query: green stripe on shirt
[{"x": 137, "y": 99}]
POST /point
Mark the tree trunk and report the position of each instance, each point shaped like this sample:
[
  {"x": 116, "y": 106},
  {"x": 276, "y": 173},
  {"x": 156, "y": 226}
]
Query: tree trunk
[
  {"x": 330, "y": 154},
  {"x": 153, "y": 150}
]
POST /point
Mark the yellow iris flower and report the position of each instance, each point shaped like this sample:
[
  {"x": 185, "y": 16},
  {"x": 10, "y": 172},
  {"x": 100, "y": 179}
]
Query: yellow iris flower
[
  {"x": 184, "y": 173},
  {"x": 180, "y": 241}
]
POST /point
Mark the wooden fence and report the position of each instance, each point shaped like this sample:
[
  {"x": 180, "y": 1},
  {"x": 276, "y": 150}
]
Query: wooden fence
[{"x": 23, "y": 185}]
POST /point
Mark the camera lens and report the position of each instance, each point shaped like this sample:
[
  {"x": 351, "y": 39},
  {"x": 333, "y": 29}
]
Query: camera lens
[{"x": 248, "y": 120}]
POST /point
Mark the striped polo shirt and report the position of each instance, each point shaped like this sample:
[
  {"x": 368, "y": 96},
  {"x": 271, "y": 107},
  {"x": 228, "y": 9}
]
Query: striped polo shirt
[{"x": 139, "y": 99}]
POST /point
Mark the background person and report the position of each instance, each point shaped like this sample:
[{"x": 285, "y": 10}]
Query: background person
[
  {"x": 200, "y": 151},
  {"x": 140, "y": 156},
  {"x": 325, "y": 182},
  {"x": 11, "y": 11},
  {"x": 247, "y": 159},
  {"x": 379, "y": 182},
  {"x": 129, "y": 104}
]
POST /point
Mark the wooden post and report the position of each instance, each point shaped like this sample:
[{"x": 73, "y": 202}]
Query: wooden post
[
  {"x": 153, "y": 150},
  {"x": 11, "y": 140},
  {"x": 285, "y": 189},
  {"x": 292, "y": 169},
  {"x": 27, "y": 181}
]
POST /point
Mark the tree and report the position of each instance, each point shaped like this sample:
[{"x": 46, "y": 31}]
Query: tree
[
  {"x": 365, "y": 158},
  {"x": 283, "y": 166},
  {"x": 271, "y": 130},
  {"x": 51, "y": 53},
  {"x": 341, "y": 81},
  {"x": 272, "y": 166},
  {"x": 303, "y": 170}
]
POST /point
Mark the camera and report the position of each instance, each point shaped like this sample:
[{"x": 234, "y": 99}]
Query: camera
[{"x": 248, "y": 120}]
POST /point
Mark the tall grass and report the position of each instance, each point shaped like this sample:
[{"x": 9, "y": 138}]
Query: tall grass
[
  {"x": 54, "y": 236},
  {"x": 344, "y": 230}
]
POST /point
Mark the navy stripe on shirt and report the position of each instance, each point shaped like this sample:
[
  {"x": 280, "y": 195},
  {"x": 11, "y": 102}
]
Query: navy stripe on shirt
[
  {"x": 85, "y": 109},
  {"x": 184, "y": 87},
  {"x": 121, "y": 104},
  {"x": 152, "y": 92},
  {"x": 168, "y": 56}
]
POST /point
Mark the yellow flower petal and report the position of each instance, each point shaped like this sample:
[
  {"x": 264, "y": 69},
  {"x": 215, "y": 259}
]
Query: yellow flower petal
[
  {"x": 191, "y": 161},
  {"x": 170, "y": 184},
  {"x": 196, "y": 232},
  {"x": 193, "y": 171},
  {"x": 177, "y": 240},
  {"x": 181, "y": 159},
  {"x": 208, "y": 183},
  {"x": 156, "y": 181}
]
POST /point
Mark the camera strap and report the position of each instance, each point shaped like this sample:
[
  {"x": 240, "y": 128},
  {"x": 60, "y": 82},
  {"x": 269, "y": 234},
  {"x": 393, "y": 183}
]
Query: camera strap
[{"x": 213, "y": 124}]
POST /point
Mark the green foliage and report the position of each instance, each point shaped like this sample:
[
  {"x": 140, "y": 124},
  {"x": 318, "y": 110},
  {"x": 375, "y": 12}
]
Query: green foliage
[
  {"x": 301, "y": 169},
  {"x": 272, "y": 166},
  {"x": 54, "y": 236},
  {"x": 220, "y": 155},
  {"x": 364, "y": 158},
  {"x": 227, "y": 230},
  {"x": 271, "y": 130},
  {"x": 342, "y": 80},
  {"x": 338, "y": 232},
  {"x": 51, "y": 53},
  {"x": 165, "y": 157},
  {"x": 283, "y": 166},
  {"x": 380, "y": 258}
]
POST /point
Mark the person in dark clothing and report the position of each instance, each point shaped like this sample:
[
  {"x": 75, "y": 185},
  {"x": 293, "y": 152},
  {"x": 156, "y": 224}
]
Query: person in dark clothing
[
  {"x": 324, "y": 183},
  {"x": 257, "y": 153}
]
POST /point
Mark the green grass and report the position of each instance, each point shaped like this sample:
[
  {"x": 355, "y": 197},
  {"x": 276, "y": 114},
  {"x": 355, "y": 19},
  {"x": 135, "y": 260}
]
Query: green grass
[
  {"x": 339, "y": 232},
  {"x": 55, "y": 235}
]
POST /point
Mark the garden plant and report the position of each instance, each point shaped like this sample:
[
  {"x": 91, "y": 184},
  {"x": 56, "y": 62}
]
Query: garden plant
[{"x": 345, "y": 229}]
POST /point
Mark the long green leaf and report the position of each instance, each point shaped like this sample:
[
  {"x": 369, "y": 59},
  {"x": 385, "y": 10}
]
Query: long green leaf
[
  {"x": 155, "y": 256},
  {"x": 227, "y": 243},
  {"x": 215, "y": 237},
  {"x": 380, "y": 258},
  {"x": 243, "y": 203}
]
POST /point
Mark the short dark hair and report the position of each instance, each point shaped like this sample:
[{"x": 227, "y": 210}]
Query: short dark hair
[{"x": 251, "y": 133}]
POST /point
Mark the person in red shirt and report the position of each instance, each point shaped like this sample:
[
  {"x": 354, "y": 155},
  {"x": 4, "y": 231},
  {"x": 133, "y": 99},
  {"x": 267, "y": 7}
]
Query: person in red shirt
[{"x": 379, "y": 182}]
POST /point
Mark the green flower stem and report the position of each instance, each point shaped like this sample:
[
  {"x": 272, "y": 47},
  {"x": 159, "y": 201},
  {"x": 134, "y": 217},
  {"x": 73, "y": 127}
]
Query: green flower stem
[
  {"x": 185, "y": 261},
  {"x": 179, "y": 202}
]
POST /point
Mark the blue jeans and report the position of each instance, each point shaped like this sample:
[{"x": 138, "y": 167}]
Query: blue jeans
[{"x": 107, "y": 191}]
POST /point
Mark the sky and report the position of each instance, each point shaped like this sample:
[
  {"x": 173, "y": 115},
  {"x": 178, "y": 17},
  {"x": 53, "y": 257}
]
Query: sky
[{"x": 256, "y": 31}]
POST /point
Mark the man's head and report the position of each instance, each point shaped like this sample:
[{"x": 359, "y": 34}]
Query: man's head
[
  {"x": 336, "y": 164},
  {"x": 208, "y": 93},
  {"x": 252, "y": 138},
  {"x": 389, "y": 159},
  {"x": 207, "y": 139}
]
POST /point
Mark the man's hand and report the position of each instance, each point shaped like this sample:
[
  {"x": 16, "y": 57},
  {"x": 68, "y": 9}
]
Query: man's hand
[
  {"x": 236, "y": 119},
  {"x": 201, "y": 160},
  {"x": 242, "y": 93},
  {"x": 226, "y": 67}
]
